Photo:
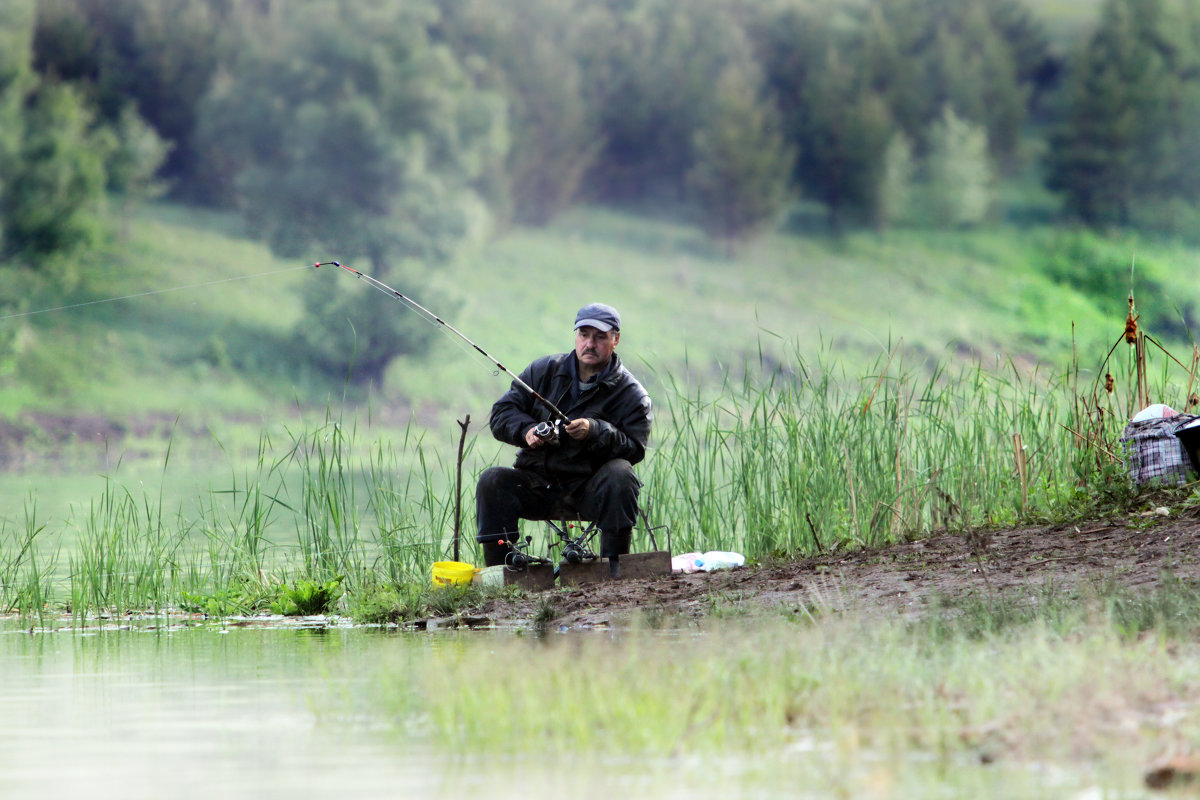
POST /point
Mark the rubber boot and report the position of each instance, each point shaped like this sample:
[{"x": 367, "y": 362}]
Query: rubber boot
[
  {"x": 613, "y": 546},
  {"x": 616, "y": 543}
]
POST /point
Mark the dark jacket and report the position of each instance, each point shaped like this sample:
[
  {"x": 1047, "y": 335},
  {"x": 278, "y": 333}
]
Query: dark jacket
[{"x": 618, "y": 408}]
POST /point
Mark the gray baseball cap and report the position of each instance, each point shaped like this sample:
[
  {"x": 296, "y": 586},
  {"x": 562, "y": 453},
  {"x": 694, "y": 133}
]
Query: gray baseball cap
[{"x": 598, "y": 316}]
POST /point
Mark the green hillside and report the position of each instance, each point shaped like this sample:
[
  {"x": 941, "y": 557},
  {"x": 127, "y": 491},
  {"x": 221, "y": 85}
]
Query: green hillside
[
  {"x": 162, "y": 398},
  {"x": 205, "y": 332}
]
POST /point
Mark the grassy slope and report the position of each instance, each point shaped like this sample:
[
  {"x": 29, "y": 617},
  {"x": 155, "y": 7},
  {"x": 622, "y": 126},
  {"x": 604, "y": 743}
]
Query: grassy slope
[
  {"x": 163, "y": 348},
  {"x": 223, "y": 351},
  {"x": 945, "y": 295}
]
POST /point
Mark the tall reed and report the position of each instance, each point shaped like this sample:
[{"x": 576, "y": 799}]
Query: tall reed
[
  {"x": 787, "y": 459},
  {"x": 794, "y": 461},
  {"x": 126, "y": 556},
  {"x": 26, "y": 570}
]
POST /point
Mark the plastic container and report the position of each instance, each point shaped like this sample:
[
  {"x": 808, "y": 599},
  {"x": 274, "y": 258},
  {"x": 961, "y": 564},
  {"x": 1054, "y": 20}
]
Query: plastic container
[
  {"x": 452, "y": 573},
  {"x": 685, "y": 562},
  {"x": 719, "y": 559},
  {"x": 1154, "y": 411}
]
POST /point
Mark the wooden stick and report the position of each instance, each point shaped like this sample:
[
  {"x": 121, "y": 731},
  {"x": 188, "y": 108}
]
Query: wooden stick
[
  {"x": 1019, "y": 455},
  {"x": 458, "y": 483}
]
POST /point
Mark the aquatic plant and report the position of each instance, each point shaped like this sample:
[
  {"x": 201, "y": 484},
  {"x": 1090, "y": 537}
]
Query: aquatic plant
[
  {"x": 308, "y": 597},
  {"x": 790, "y": 459}
]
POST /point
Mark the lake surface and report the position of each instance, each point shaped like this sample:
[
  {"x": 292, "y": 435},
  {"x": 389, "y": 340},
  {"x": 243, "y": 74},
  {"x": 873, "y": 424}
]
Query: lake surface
[
  {"x": 158, "y": 709},
  {"x": 198, "y": 712},
  {"x": 211, "y": 711}
]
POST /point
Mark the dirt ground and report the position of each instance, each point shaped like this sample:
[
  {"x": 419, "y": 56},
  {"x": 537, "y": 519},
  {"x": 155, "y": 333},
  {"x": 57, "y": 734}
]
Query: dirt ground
[{"x": 903, "y": 579}]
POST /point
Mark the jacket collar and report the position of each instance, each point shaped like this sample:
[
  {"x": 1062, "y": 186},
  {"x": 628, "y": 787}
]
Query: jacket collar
[{"x": 606, "y": 375}]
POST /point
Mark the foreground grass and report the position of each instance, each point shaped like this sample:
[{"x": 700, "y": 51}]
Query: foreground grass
[{"x": 1083, "y": 693}]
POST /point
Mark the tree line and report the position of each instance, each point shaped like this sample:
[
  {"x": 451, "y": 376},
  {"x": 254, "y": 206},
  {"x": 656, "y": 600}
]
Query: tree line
[{"x": 391, "y": 132}]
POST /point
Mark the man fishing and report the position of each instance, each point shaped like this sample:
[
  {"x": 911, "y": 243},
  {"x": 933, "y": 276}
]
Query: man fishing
[{"x": 582, "y": 462}]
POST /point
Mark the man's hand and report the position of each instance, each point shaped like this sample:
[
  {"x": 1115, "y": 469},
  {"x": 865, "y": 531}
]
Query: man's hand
[{"x": 578, "y": 428}]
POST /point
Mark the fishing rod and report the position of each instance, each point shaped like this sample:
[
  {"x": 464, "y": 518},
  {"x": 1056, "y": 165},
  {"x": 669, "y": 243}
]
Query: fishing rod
[
  {"x": 20, "y": 314},
  {"x": 390, "y": 292}
]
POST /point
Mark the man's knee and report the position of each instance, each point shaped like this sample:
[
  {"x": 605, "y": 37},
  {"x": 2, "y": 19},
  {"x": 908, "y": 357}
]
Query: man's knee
[
  {"x": 491, "y": 479},
  {"x": 618, "y": 471},
  {"x": 617, "y": 479}
]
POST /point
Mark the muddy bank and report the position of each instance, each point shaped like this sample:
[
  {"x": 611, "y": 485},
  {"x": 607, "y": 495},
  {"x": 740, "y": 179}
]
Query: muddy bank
[{"x": 902, "y": 579}]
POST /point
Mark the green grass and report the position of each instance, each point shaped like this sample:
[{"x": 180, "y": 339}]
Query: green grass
[
  {"x": 223, "y": 355},
  {"x": 782, "y": 463},
  {"x": 813, "y": 394},
  {"x": 842, "y": 706},
  {"x": 688, "y": 311}
]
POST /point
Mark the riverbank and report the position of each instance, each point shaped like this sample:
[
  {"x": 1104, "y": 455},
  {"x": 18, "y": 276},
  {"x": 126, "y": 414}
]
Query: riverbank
[{"x": 1136, "y": 552}]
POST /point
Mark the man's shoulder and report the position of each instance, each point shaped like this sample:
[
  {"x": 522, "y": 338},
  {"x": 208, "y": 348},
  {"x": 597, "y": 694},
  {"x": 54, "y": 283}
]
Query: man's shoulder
[
  {"x": 624, "y": 381},
  {"x": 554, "y": 362},
  {"x": 626, "y": 378},
  {"x": 620, "y": 375},
  {"x": 547, "y": 370}
]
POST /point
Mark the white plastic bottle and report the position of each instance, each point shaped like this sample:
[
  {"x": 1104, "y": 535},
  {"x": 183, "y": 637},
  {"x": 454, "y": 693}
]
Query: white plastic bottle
[{"x": 719, "y": 559}]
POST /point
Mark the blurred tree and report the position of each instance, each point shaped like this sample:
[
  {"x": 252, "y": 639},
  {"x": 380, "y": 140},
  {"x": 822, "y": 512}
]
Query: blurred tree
[
  {"x": 741, "y": 175},
  {"x": 657, "y": 62},
  {"x": 16, "y": 53},
  {"x": 1110, "y": 146},
  {"x": 899, "y": 181},
  {"x": 66, "y": 44},
  {"x": 137, "y": 154},
  {"x": 529, "y": 52},
  {"x": 1170, "y": 199},
  {"x": 958, "y": 174},
  {"x": 849, "y": 74},
  {"x": 163, "y": 56},
  {"x": 354, "y": 136},
  {"x": 1038, "y": 67},
  {"x": 353, "y": 332},
  {"x": 845, "y": 138},
  {"x": 16, "y": 50},
  {"x": 925, "y": 54},
  {"x": 836, "y": 123},
  {"x": 979, "y": 76},
  {"x": 54, "y": 187},
  {"x": 159, "y": 56}
]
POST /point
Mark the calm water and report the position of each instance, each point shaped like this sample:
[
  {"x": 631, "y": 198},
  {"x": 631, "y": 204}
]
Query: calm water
[
  {"x": 198, "y": 712},
  {"x": 255, "y": 712},
  {"x": 278, "y": 712}
]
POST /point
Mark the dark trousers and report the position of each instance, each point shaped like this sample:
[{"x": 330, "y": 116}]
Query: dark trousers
[{"x": 505, "y": 495}]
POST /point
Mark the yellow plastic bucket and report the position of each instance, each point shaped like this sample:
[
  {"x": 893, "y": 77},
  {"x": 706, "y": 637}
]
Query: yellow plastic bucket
[{"x": 452, "y": 573}]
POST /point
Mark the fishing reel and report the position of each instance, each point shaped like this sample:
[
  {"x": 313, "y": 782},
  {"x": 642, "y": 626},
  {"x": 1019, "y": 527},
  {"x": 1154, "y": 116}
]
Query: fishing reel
[
  {"x": 577, "y": 549},
  {"x": 518, "y": 557},
  {"x": 574, "y": 552},
  {"x": 548, "y": 432}
]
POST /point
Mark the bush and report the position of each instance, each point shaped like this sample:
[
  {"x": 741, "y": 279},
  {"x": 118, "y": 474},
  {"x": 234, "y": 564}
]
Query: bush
[{"x": 1108, "y": 271}]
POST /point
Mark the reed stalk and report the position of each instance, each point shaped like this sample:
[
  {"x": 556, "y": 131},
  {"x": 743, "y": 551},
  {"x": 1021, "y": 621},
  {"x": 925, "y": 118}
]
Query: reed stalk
[{"x": 782, "y": 460}]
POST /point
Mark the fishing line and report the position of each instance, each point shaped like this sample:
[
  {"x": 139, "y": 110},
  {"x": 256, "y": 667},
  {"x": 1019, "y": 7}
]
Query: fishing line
[
  {"x": 151, "y": 292},
  {"x": 429, "y": 315}
]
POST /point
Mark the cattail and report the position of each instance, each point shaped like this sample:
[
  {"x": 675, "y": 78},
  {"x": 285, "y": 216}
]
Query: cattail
[{"x": 1131, "y": 329}]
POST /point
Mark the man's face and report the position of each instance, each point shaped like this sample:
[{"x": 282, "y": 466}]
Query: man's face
[{"x": 595, "y": 347}]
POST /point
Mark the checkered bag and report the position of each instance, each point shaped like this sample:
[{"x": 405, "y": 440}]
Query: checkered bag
[{"x": 1153, "y": 453}]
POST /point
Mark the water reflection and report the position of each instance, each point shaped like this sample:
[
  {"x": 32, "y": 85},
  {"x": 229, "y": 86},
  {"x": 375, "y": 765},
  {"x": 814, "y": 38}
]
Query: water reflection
[
  {"x": 152, "y": 711},
  {"x": 195, "y": 712}
]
